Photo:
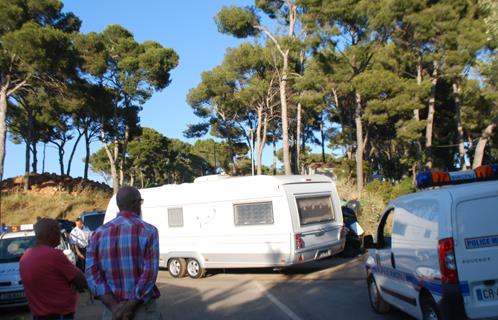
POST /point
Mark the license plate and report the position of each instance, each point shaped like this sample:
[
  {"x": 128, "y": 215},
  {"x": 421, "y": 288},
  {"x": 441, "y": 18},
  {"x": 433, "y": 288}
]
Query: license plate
[
  {"x": 323, "y": 254},
  {"x": 487, "y": 294},
  {"x": 12, "y": 295}
]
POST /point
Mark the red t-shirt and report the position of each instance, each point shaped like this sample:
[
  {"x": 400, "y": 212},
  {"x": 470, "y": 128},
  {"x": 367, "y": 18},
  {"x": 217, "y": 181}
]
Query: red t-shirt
[{"x": 46, "y": 274}]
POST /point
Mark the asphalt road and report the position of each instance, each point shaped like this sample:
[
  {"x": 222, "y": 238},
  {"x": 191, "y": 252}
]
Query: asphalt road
[{"x": 328, "y": 289}]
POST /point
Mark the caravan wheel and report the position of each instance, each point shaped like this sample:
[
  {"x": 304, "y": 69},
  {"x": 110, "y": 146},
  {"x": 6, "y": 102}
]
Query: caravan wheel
[
  {"x": 177, "y": 267},
  {"x": 194, "y": 269}
]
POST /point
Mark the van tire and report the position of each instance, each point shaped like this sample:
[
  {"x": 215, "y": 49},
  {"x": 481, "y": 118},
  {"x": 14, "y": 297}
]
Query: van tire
[
  {"x": 177, "y": 267},
  {"x": 194, "y": 269},
  {"x": 376, "y": 301},
  {"x": 429, "y": 307}
]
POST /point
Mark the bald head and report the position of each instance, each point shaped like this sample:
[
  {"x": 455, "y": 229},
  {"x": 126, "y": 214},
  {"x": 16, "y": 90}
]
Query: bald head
[
  {"x": 129, "y": 199},
  {"x": 47, "y": 232}
]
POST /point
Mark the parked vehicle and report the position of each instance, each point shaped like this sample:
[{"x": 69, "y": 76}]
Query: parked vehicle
[
  {"x": 243, "y": 222},
  {"x": 14, "y": 241},
  {"x": 93, "y": 219},
  {"x": 435, "y": 255},
  {"x": 66, "y": 225},
  {"x": 354, "y": 233}
]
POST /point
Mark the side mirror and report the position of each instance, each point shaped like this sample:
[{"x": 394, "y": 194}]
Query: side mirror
[{"x": 368, "y": 242}]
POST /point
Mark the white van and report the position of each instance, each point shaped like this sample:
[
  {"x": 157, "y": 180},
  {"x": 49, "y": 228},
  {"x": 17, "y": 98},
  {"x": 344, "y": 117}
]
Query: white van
[
  {"x": 435, "y": 255},
  {"x": 243, "y": 222}
]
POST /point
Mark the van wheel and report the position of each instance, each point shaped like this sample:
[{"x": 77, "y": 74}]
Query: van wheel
[
  {"x": 429, "y": 308},
  {"x": 177, "y": 267},
  {"x": 376, "y": 302},
  {"x": 194, "y": 269}
]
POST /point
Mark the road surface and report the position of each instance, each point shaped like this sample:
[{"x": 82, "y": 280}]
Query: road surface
[{"x": 328, "y": 289}]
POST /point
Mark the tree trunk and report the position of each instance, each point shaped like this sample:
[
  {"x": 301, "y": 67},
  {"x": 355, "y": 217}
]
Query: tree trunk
[
  {"x": 27, "y": 165},
  {"x": 416, "y": 117},
  {"x": 285, "y": 119},
  {"x": 87, "y": 153},
  {"x": 70, "y": 161},
  {"x": 483, "y": 140},
  {"x": 28, "y": 149},
  {"x": 35, "y": 157},
  {"x": 274, "y": 164},
  {"x": 251, "y": 134},
  {"x": 322, "y": 137},
  {"x": 258, "y": 141},
  {"x": 61, "y": 158},
  {"x": 430, "y": 115},
  {"x": 3, "y": 128},
  {"x": 359, "y": 144},
  {"x": 112, "y": 162},
  {"x": 262, "y": 145},
  {"x": 122, "y": 164},
  {"x": 44, "y": 154},
  {"x": 298, "y": 137},
  {"x": 458, "y": 116}
]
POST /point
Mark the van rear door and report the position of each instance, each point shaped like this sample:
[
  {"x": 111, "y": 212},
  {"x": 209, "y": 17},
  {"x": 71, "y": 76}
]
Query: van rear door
[
  {"x": 476, "y": 249},
  {"x": 317, "y": 220}
]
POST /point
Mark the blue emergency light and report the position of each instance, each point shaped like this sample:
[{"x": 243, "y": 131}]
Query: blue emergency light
[{"x": 427, "y": 179}]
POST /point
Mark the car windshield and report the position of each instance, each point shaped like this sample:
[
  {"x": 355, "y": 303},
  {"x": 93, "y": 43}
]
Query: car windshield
[{"x": 12, "y": 249}]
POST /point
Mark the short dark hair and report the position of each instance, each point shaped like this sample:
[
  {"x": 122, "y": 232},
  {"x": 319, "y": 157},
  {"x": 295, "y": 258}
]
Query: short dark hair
[
  {"x": 79, "y": 219},
  {"x": 128, "y": 198}
]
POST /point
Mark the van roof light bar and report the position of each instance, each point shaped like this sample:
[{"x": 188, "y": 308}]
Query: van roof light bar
[{"x": 428, "y": 179}]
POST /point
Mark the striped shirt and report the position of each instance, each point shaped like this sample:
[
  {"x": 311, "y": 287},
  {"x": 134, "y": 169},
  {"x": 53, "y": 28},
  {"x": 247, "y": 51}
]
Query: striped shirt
[{"x": 123, "y": 259}]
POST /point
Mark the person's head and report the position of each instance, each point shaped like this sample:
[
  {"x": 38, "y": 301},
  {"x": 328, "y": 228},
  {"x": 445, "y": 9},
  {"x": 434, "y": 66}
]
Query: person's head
[
  {"x": 79, "y": 223},
  {"x": 47, "y": 232},
  {"x": 128, "y": 198}
]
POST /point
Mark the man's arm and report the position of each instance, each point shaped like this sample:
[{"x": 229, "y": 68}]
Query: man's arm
[
  {"x": 78, "y": 252},
  {"x": 79, "y": 282},
  {"x": 150, "y": 268},
  {"x": 93, "y": 272}
]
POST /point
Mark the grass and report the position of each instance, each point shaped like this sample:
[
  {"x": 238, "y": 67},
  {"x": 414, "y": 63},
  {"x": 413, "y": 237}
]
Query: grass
[
  {"x": 25, "y": 207},
  {"x": 374, "y": 198}
]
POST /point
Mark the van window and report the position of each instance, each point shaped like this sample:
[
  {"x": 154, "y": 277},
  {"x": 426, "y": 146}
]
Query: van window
[
  {"x": 253, "y": 213},
  {"x": 385, "y": 230},
  {"x": 315, "y": 209},
  {"x": 175, "y": 217}
]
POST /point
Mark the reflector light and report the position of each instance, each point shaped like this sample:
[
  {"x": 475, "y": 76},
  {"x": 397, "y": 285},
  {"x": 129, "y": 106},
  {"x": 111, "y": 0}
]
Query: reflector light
[
  {"x": 447, "y": 261},
  {"x": 429, "y": 179}
]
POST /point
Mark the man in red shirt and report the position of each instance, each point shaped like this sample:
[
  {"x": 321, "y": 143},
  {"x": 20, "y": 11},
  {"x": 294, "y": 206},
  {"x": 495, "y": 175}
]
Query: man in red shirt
[{"x": 50, "y": 280}]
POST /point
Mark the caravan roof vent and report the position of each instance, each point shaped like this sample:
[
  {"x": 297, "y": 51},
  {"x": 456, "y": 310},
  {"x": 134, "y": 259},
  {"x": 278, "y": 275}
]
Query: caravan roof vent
[{"x": 214, "y": 177}]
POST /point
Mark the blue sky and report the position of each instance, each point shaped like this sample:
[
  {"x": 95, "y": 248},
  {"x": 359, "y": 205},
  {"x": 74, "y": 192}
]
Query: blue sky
[{"x": 187, "y": 26}]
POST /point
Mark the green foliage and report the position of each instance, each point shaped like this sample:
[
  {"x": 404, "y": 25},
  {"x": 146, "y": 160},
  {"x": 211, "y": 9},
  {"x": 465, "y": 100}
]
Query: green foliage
[{"x": 237, "y": 21}]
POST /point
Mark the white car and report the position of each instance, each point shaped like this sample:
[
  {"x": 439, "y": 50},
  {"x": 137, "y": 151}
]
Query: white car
[
  {"x": 14, "y": 241},
  {"x": 435, "y": 255}
]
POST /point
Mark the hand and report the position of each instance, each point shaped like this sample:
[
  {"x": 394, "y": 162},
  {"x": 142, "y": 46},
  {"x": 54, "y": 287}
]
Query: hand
[
  {"x": 130, "y": 309},
  {"x": 118, "y": 311},
  {"x": 82, "y": 257}
]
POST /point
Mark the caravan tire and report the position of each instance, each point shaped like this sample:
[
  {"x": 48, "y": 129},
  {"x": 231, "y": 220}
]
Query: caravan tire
[
  {"x": 376, "y": 301},
  {"x": 177, "y": 267},
  {"x": 194, "y": 269}
]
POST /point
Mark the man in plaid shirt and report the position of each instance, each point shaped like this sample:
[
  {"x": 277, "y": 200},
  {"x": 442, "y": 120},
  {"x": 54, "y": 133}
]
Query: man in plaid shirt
[{"x": 123, "y": 262}]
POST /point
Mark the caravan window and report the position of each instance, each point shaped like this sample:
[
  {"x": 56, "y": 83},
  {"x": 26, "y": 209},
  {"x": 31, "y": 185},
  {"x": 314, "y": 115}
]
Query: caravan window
[
  {"x": 175, "y": 217},
  {"x": 315, "y": 209},
  {"x": 253, "y": 213}
]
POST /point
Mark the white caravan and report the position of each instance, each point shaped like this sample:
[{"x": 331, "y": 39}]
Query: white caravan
[
  {"x": 243, "y": 222},
  {"x": 436, "y": 251}
]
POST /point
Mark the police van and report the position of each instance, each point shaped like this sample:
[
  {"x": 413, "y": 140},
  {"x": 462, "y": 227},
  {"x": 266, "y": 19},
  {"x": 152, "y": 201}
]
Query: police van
[
  {"x": 14, "y": 242},
  {"x": 435, "y": 254}
]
